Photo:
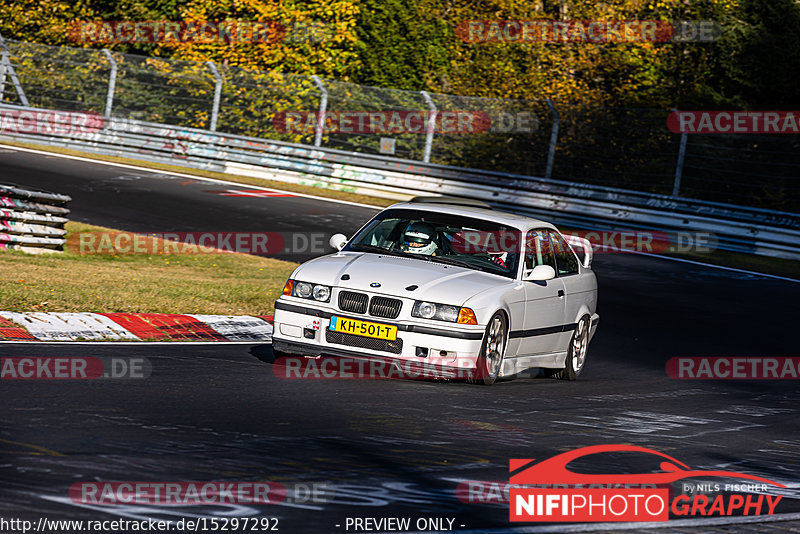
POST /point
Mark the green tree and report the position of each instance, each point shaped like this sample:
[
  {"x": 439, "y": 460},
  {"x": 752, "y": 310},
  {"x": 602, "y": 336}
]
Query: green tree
[{"x": 758, "y": 58}]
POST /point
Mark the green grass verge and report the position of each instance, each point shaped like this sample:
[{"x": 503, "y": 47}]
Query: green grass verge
[{"x": 224, "y": 283}]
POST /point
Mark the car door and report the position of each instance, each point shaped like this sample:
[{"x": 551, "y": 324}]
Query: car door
[
  {"x": 579, "y": 287},
  {"x": 544, "y": 301}
]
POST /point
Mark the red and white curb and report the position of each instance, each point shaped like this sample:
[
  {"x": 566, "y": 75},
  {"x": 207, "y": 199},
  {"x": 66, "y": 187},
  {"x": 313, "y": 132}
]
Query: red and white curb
[{"x": 46, "y": 326}]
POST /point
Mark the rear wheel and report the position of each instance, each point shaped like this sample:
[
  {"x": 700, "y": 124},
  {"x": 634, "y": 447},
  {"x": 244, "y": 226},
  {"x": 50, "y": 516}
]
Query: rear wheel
[
  {"x": 576, "y": 353},
  {"x": 490, "y": 359}
]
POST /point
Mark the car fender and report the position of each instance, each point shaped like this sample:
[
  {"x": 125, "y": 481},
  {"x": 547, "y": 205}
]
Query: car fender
[
  {"x": 510, "y": 301},
  {"x": 594, "y": 319},
  {"x": 489, "y": 301},
  {"x": 582, "y": 311}
]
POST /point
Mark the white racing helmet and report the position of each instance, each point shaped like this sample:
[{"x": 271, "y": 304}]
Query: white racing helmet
[{"x": 418, "y": 238}]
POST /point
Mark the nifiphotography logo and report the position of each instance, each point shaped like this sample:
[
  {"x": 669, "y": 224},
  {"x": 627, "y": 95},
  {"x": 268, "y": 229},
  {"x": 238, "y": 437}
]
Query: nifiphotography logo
[{"x": 573, "y": 497}]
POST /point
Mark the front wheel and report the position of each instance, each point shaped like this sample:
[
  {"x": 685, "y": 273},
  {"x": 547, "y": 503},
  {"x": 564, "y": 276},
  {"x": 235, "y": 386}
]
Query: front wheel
[
  {"x": 490, "y": 359},
  {"x": 576, "y": 353}
]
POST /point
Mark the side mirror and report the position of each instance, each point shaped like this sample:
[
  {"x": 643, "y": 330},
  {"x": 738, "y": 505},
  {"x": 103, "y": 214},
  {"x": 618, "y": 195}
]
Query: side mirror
[
  {"x": 540, "y": 273},
  {"x": 338, "y": 241}
]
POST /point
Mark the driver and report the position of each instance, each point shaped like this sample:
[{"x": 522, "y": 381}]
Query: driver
[{"x": 419, "y": 238}]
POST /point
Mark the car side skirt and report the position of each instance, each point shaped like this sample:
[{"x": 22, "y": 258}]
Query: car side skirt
[{"x": 527, "y": 364}]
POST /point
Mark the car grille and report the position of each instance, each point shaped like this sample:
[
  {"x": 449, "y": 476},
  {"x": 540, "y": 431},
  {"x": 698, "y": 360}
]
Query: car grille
[
  {"x": 341, "y": 338},
  {"x": 385, "y": 307},
  {"x": 353, "y": 302}
]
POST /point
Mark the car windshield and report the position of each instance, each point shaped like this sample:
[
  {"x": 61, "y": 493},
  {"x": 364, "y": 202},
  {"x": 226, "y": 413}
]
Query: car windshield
[{"x": 452, "y": 239}]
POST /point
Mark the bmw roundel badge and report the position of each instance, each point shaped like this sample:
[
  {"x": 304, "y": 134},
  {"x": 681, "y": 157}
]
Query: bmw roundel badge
[{"x": 374, "y": 284}]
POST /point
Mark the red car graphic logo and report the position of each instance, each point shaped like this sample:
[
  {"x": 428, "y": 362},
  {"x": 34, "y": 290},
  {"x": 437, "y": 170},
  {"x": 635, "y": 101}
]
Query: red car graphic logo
[{"x": 554, "y": 470}]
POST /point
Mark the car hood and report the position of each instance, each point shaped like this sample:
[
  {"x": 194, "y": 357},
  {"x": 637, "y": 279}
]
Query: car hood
[{"x": 437, "y": 282}]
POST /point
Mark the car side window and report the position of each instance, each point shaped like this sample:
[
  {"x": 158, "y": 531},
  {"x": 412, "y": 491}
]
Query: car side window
[
  {"x": 538, "y": 250},
  {"x": 566, "y": 260}
]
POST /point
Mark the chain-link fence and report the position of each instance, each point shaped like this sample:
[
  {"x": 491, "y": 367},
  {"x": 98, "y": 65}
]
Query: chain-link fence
[{"x": 626, "y": 148}]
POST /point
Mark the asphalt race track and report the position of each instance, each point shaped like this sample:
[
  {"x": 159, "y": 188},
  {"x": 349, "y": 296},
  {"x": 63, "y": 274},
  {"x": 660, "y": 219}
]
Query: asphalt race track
[
  {"x": 390, "y": 448},
  {"x": 157, "y": 202}
]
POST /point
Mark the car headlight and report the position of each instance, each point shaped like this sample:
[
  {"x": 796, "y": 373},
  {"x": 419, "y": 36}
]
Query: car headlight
[
  {"x": 321, "y": 293},
  {"x": 440, "y": 312},
  {"x": 305, "y": 290},
  {"x": 302, "y": 290}
]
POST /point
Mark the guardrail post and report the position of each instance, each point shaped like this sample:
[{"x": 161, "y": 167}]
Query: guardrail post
[
  {"x": 8, "y": 67},
  {"x": 551, "y": 153},
  {"x": 426, "y": 157},
  {"x": 676, "y": 187},
  {"x": 323, "y": 110},
  {"x": 112, "y": 83},
  {"x": 217, "y": 95}
]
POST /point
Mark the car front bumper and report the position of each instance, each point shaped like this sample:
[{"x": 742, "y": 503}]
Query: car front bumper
[{"x": 295, "y": 322}]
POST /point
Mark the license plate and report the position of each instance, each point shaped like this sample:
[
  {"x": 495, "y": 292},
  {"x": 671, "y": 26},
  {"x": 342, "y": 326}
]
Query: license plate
[{"x": 363, "y": 328}]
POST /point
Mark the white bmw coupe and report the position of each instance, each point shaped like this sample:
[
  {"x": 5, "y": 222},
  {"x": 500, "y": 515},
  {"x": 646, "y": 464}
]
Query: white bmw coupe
[{"x": 449, "y": 280}]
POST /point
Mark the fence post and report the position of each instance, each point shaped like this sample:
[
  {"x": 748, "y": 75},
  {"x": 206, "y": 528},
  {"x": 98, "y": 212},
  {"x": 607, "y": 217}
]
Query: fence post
[
  {"x": 217, "y": 95},
  {"x": 112, "y": 83},
  {"x": 323, "y": 110},
  {"x": 2, "y": 75},
  {"x": 551, "y": 153},
  {"x": 8, "y": 67},
  {"x": 3, "y": 56},
  {"x": 676, "y": 187},
  {"x": 426, "y": 156}
]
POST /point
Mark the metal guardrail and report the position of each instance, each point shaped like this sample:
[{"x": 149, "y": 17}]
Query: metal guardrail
[
  {"x": 737, "y": 228},
  {"x": 32, "y": 221}
]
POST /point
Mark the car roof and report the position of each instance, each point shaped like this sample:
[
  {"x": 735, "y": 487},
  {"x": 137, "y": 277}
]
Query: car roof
[{"x": 510, "y": 219}]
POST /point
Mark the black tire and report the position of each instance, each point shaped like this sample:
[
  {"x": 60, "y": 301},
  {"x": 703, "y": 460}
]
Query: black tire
[
  {"x": 576, "y": 352},
  {"x": 493, "y": 347}
]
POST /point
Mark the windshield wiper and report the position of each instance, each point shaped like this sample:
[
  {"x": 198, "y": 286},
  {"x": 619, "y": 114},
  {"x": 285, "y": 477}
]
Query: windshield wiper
[
  {"x": 451, "y": 261},
  {"x": 378, "y": 250}
]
